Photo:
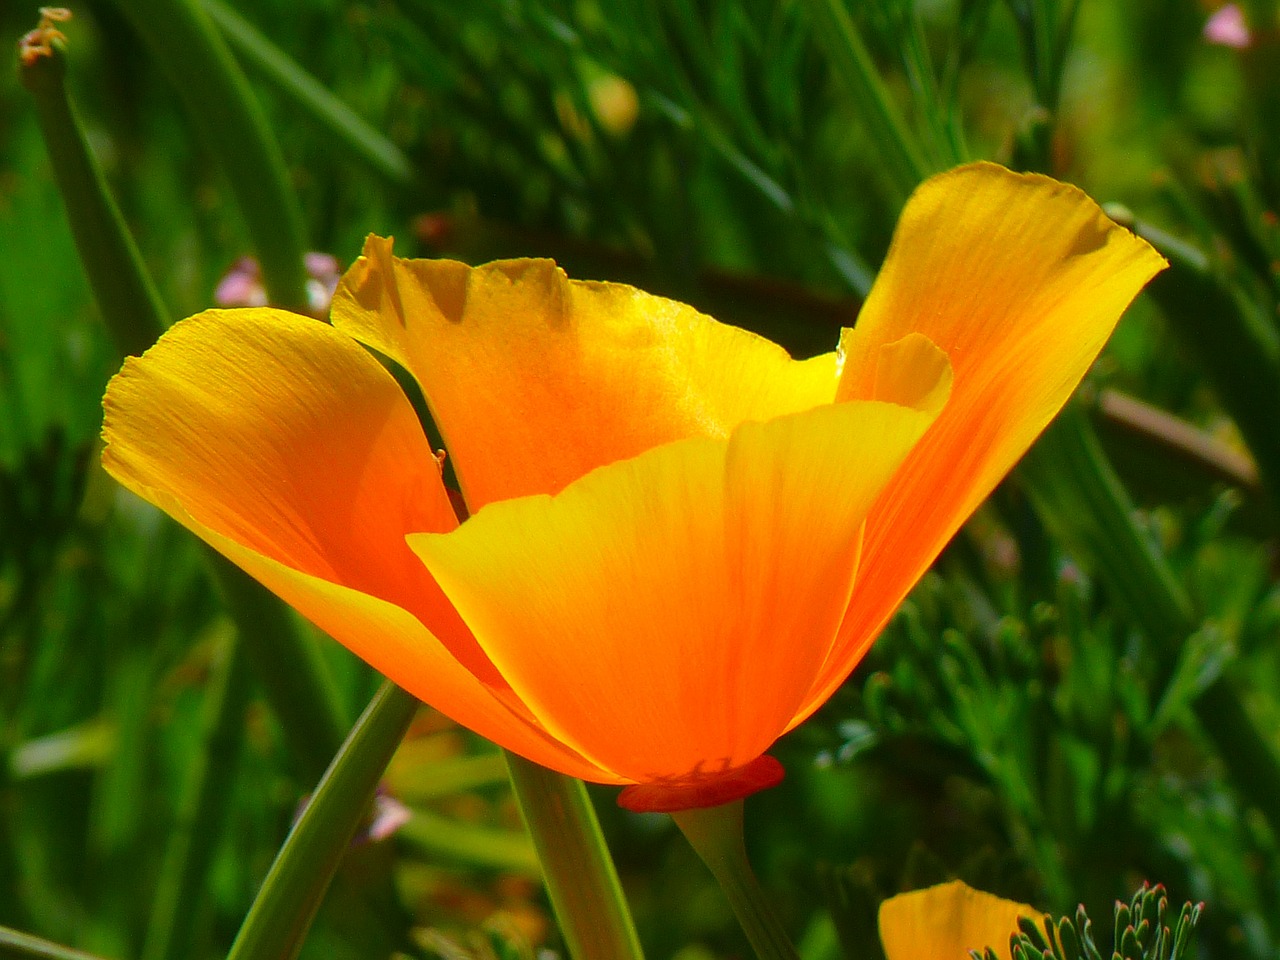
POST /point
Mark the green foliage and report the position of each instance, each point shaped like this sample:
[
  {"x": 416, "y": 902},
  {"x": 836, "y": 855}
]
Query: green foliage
[{"x": 1144, "y": 930}]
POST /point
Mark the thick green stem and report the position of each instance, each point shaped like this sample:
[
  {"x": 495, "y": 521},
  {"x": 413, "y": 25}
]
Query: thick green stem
[
  {"x": 286, "y": 904},
  {"x": 183, "y": 40},
  {"x": 130, "y": 306},
  {"x": 716, "y": 834},
  {"x": 579, "y": 873}
]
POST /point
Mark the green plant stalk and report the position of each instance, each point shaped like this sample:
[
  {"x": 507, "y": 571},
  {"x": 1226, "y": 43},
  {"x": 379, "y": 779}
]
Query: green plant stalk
[
  {"x": 184, "y": 42},
  {"x": 130, "y": 306},
  {"x": 1074, "y": 488},
  {"x": 715, "y": 833},
  {"x": 297, "y": 686},
  {"x": 579, "y": 874},
  {"x": 291, "y": 894},
  {"x": 202, "y": 812},
  {"x": 309, "y": 94},
  {"x": 838, "y": 35},
  {"x": 15, "y": 945}
]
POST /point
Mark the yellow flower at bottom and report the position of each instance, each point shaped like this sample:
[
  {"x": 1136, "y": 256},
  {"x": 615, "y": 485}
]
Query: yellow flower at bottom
[
  {"x": 682, "y": 540},
  {"x": 947, "y": 921}
]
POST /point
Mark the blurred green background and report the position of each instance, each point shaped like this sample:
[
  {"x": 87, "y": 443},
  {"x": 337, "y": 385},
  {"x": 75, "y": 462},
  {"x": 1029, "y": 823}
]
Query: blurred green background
[{"x": 1043, "y": 719}]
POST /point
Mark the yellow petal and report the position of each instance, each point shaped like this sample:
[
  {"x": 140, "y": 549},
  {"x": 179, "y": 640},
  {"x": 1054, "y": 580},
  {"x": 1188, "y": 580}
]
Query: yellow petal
[
  {"x": 397, "y": 644},
  {"x": 534, "y": 379},
  {"x": 947, "y": 921},
  {"x": 1019, "y": 280},
  {"x": 287, "y": 447},
  {"x": 665, "y": 615}
]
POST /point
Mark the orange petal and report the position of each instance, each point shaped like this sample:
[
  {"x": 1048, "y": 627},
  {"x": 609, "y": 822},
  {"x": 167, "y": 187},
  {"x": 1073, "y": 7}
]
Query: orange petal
[
  {"x": 665, "y": 615},
  {"x": 947, "y": 921},
  {"x": 287, "y": 447},
  {"x": 1020, "y": 281},
  {"x": 535, "y": 379}
]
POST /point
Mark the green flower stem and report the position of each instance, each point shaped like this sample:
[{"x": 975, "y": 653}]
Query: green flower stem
[
  {"x": 15, "y": 945},
  {"x": 838, "y": 34},
  {"x": 130, "y": 307},
  {"x": 202, "y": 812},
  {"x": 183, "y": 40},
  {"x": 286, "y": 904},
  {"x": 1078, "y": 493},
  {"x": 309, "y": 94},
  {"x": 716, "y": 834},
  {"x": 579, "y": 873}
]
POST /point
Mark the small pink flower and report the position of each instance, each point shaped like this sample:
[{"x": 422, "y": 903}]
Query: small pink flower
[
  {"x": 1227, "y": 28},
  {"x": 242, "y": 285}
]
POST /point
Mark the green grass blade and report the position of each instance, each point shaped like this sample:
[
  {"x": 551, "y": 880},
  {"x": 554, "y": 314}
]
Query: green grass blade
[
  {"x": 202, "y": 814},
  {"x": 836, "y": 32},
  {"x": 1083, "y": 501},
  {"x": 439, "y": 838},
  {"x": 286, "y": 904},
  {"x": 298, "y": 686},
  {"x": 15, "y": 945},
  {"x": 308, "y": 93},
  {"x": 183, "y": 40},
  {"x": 1232, "y": 339}
]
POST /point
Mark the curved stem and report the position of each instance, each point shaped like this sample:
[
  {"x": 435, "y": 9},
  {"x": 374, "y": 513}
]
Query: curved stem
[
  {"x": 716, "y": 834},
  {"x": 131, "y": 309}
]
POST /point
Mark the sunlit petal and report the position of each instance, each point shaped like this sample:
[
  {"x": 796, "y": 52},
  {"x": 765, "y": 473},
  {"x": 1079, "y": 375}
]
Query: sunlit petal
[
  {"x": 664, "y": 616},
  {"x": 535, "y": 379},
  {"x": 288, "y": 448},
  {"x": 1019, "y": 280}
]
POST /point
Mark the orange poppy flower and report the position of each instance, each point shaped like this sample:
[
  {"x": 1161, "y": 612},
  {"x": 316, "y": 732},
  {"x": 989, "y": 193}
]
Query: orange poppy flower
[
  {"x": 947, "y": 921},
  {"x": 682, "y": 540}
]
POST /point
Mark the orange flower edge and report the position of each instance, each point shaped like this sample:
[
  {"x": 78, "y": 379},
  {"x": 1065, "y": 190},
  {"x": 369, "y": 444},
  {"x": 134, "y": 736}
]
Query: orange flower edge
[{"x": 709, "y": 790}]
